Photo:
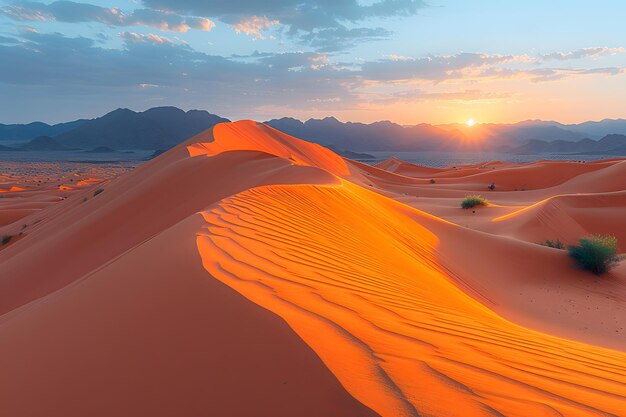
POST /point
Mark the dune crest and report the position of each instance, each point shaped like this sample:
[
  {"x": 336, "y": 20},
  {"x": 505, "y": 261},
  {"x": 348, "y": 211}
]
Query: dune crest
[{"x": 250, "y": 135}]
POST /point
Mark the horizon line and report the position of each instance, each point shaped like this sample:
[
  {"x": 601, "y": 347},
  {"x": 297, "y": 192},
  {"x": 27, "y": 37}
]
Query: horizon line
[{"x": 478, "y": 123}]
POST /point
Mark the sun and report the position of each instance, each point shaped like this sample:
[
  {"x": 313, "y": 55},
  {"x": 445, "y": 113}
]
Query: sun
[{"x": 470, "y": 122}]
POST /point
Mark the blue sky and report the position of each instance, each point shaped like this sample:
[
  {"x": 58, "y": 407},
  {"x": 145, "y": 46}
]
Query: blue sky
[{"x": 408, "y": 61}]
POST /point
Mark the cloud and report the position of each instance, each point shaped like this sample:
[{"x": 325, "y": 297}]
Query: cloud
[
  {"x": 326, "y": 25},
  {"x": 27, "y": 12},
  {"x": 7, "y": 40},
  {"x": 396, "y": 57},
  {"x": 254, "y": 25},
  {"x": 152, "y": 69},
  {"x": 539, "y": 75},
  {"x": 583, "y": 53},
  {"x": 419, "y": 95},
  {"x": 430, "y": 68},
  {"x": 297, "y": 14},
  {"x": 131, "y": 37},
  {"x": 72, "y": 12},
  {"x": 465, "y": 95},
  {"x": 295, "y": 60},
  {"x": 65, "y": 66},
  {"x": 475, "y": 66},
  {"x": 339, "y": 38}
]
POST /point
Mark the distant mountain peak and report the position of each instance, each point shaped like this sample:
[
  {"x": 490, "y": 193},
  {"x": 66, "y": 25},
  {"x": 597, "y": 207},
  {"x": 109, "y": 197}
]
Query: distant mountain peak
[{"x": 156, "y": 128}]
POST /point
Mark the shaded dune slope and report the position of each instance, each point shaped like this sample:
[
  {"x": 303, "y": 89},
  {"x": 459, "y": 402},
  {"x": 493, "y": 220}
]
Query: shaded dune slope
[
  {"x": 567, "y": 217},
  {"x": 74, "y": 237},
  {"x": 595, "y": 176},
  {"x": 150, "y": 333}
]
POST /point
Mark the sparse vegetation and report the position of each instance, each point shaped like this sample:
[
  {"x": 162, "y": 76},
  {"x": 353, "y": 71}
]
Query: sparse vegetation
[
  {"x": 492, "y": 186},
  {"x": 6, "y": 239},
  {"x": 98, "y": 191},
  {"x": 473, "y": 201},
  {"x": 556, "y": 244},
  {"x": 596, "y": 253},
  {"x": 432, "y": 180}
]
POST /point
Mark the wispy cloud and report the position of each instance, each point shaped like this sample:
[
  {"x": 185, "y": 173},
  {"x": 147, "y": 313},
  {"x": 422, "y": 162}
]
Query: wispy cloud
[
  {"x": 583, "y": 53},
  {"x": 72, "y": 12},
  {"x": 131, "y": 37},
  {"x": 416, "y": 95},
  {"x": 468, "y": 66},
  {"x": 254, "y": 26}
]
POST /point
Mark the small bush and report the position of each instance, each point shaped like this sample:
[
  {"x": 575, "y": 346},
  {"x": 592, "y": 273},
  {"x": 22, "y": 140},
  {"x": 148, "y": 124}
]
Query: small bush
[
  {"x": 6, "y": 239},
  {"x": 98, "y": 191},
  {"x": 491, "y": 186},
  {"x": 596, "y": 253},
  {"x": 556, "y": 244},
  {"x": 473, "y": 201},
  {"x": 432, "y": 181}
]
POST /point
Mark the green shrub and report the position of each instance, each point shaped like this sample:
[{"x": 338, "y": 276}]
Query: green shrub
[
  {"x": 557, "y": 244},
  {"x": 473, "y": 201},
  {"x": 596, "y": 253}
]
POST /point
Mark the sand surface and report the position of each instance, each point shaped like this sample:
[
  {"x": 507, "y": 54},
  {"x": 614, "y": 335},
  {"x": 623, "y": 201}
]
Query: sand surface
[{"x": 249, "y": 273}]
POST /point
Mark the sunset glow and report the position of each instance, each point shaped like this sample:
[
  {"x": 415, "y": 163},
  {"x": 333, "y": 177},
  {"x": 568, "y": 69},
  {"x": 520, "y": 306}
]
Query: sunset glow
[
  {"x": 470, "y": 122},
  {"x": 133, "y": 54}
]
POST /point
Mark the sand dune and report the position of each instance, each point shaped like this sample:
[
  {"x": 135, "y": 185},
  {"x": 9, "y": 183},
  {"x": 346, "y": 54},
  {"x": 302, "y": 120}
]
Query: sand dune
[
  {"x": 249, "y": 273},
  {"x": 370, "y": 297},
  {"x": 568, "y": 217}
]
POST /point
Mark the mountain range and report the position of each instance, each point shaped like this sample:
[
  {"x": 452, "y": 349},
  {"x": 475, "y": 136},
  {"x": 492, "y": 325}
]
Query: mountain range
[
  {"x": 612, "y": 144},
  {"x": 161, "y": 128},
  {"x": 22, "y": 132}
]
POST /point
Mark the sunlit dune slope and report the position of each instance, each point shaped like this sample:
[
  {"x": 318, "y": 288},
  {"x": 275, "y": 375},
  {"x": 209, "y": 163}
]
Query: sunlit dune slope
[
  {"x": 248, "y": 135},
  {"x": 542, "y": 288},
  {"x": 359, "y": 281},
  {"x": 249, "y": 273}
]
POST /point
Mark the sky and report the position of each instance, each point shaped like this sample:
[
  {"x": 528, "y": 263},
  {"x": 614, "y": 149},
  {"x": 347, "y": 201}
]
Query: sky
[{"x": 408, "y": 61}]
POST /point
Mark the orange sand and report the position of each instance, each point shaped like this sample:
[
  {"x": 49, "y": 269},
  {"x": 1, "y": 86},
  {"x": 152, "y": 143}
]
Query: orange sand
[{"x": 247, "y": 272}]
